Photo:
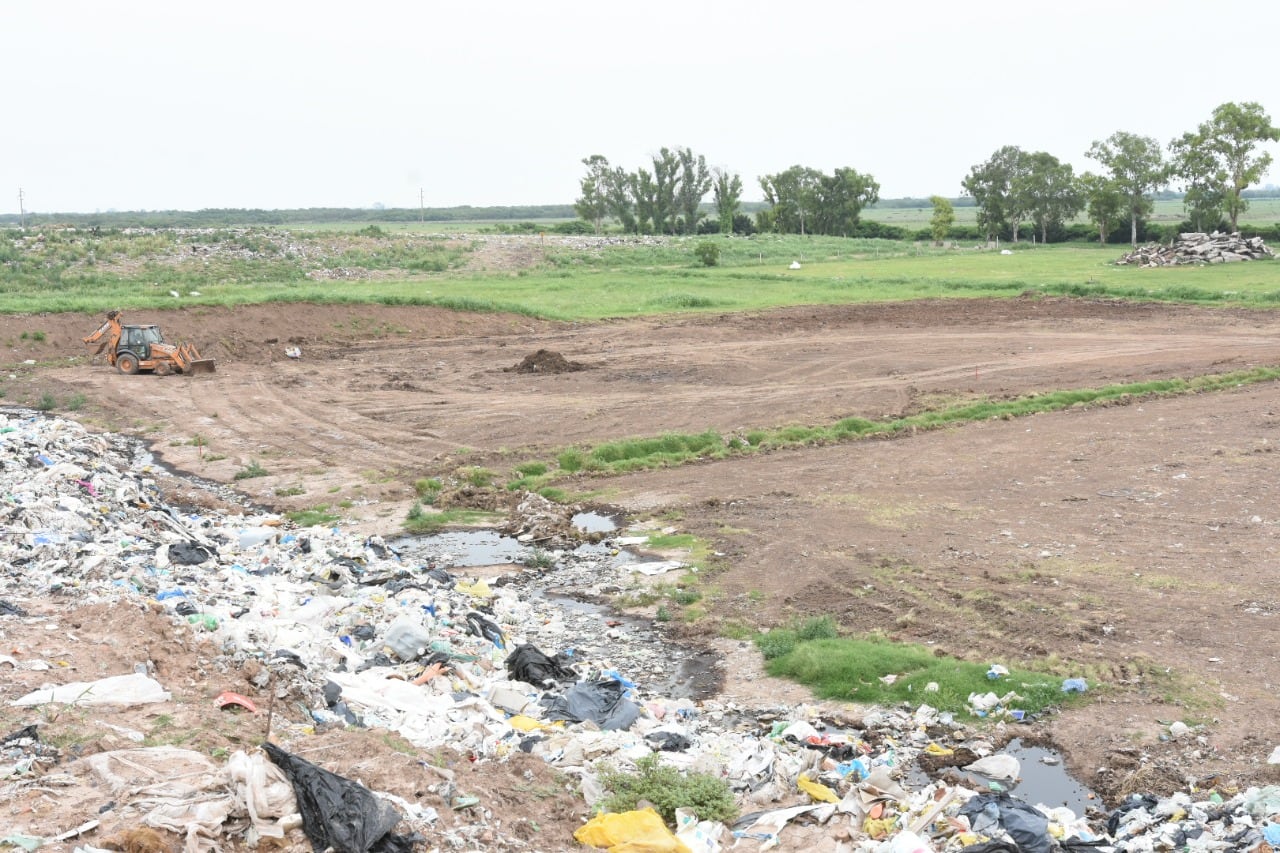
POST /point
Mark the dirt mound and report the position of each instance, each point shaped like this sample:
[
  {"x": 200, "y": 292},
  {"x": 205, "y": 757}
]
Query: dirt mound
[{"x": 546, "y": 361}]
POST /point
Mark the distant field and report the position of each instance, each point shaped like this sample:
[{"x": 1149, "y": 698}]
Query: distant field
[
  {"x": 573, "y": 279},
  {"x": 1262, "y": 211}
]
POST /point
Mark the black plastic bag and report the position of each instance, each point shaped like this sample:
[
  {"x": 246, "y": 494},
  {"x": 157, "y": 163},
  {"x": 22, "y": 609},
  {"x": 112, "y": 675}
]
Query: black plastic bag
[
  {"x": 338, "y": 812},
  {"x": 529, "y": 664},
  {"x": 1024, "y": 823},
  {"x": 489, "y": 630},
  {"x": 602, "y": 702},
  {"x": 188, "y": 553},
  {"x": 8, "y": 609},
  {"x": 668, "y": 741}
]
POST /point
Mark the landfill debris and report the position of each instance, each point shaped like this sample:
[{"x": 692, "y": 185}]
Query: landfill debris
[
  {"x": 324, "y": 629},
  {"x": 1199, "y": 248},
  {"x": 641, "y": 831}
]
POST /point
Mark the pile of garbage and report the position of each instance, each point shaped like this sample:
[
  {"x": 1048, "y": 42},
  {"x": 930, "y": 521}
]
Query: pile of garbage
[
  {"x": 330, "y": 630},
  {"x": 1199, "y": 248}
]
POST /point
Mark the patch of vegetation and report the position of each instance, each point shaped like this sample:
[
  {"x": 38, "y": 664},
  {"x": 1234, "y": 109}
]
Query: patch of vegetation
[
  {"x": 75, "y": 402},
  {"x": 479, "y": 477},
  {"x": 432, "y": 522},
  {"x": 46, "y": 403},
  {"x": 248, "y": 472},
  {"x": 571, "y": 461},
  {"x": 667, "y": 789},
  {"x": 539, "y": 559},
  {"x": 531, "y": 469},
  {"x": 873, "y": 670},
  {"x": 707, "y": 253},
  {"x": 290, "y": 492},
  {"x": 313, "y": 517}
]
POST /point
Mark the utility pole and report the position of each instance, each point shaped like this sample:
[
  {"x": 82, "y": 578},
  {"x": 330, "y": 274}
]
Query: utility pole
[
  {"x": 22, "y": 212},
  {"x": 422, "y": 210}
]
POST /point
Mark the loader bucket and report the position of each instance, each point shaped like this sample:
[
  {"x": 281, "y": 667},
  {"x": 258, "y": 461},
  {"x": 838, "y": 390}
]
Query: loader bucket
[
  {"x": 189, "y": 360},
  {"x": 200, "y": 365}
]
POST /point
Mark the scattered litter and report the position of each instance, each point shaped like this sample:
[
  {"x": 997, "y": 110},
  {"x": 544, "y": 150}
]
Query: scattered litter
[{"x": 131, "y": 689}]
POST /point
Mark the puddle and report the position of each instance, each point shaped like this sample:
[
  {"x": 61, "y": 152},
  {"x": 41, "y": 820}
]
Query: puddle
[
  {"x": 461, "y": 548},
  {"x": 1039, "y": 782},
  {"x": 593, "y": 522}
]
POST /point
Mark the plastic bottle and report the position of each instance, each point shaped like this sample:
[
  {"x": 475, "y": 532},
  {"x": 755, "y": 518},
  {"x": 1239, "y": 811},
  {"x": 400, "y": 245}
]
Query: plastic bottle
[{"x": 407, "y": 639}]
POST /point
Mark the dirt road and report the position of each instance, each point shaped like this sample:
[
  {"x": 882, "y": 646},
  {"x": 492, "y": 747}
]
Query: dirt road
[{"x": 1135, "y": 542}]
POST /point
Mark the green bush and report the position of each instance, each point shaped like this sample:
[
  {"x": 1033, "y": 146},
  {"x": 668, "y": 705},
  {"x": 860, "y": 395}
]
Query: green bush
[
  {"x": 708, "y": 253},
  {"x": 668, "y": 789}
]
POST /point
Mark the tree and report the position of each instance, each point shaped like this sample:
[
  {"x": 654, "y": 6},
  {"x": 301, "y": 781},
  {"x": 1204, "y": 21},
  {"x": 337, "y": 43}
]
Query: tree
[
  {"x": 695, "y": 183},
  {"x": 1104, "y": 203},
  {"x": 841, "y": 197},
  {"x": 593, "y": 205},
  {"x": 1204, "y": 192},
  {"x": 1221, "y": 160},
  {"x": 666, "y": 176},
  {"x": 621, "y": 200},
  {"x": 727, "y": 192},
  {"x": 993, "y": 187},
  {"x": 793, "y": 196},
  {"x": 1047, "y": 191},
  {"x": 645, "y": 192},
  {"x": 1137, "y": 168},
  {"x": 943, "y": 215}
]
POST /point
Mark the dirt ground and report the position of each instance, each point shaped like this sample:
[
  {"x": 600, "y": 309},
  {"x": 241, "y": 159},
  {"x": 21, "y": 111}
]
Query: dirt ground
[{"x": 1135, "y": 544}]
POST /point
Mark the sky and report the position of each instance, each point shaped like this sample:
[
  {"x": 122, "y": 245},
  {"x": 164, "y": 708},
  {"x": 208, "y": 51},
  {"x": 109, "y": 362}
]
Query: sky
[{"x": 159, "y": 105}]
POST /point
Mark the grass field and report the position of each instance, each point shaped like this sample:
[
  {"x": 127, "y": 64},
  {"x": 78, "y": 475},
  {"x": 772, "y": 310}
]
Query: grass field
[{"x": 578, "y": 281}]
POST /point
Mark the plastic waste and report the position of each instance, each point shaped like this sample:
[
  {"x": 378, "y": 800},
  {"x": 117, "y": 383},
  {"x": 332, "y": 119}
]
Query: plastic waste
[
  {"x": 340, "y": 813},
  {"x": 529, "y": 664},
  {"x": 633, "y": 832},
  {"x": 1074, "y": 685},
  {"x": 131, "y": 689},
  {"x": 816, "y": 790},
  {"x": 991, "y": 814},
  {"x": 908, "y": 842},
  {"x": 407, "y": 639},
  {"x": 602, "y": 702},
  {"x": 996, "y": 766}
]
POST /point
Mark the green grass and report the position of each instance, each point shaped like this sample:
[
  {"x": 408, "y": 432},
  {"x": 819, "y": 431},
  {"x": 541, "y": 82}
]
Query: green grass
[
  {"x": 248, "y": 472},
  {"x": 432, "y": 522},
  {"x": 588, "y": 284},
  {"x": 674, "y": 449},
  {"x": 314, "y": 517},
  {"x": 855, "y": 669}
]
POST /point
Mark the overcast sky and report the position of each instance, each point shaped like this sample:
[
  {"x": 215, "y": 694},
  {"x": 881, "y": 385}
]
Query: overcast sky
[{"x": 269, "y": 104}]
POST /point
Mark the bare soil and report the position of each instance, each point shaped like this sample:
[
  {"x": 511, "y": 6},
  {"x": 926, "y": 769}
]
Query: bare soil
[{"x": 1133, "y": 543}]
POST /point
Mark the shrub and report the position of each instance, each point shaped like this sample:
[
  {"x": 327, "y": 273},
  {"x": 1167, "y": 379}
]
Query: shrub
[
  {"x": 668, "y": 789},
  {"x": 248, "y": 472},
  {"x": 708, "y": 253}
]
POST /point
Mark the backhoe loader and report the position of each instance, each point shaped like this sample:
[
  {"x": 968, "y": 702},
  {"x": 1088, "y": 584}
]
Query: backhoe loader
[{"x": 135, "y": 348}]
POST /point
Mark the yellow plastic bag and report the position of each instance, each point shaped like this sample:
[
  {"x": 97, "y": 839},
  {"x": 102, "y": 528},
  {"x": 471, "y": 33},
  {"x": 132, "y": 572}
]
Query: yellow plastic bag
[
  {"x": 817, "y": 790},
  {"x": 630, "y": 832},
  {"x": 479, "y": 589}
]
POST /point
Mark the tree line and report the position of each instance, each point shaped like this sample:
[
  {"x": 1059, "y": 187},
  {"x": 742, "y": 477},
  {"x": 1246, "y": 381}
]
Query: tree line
[
  {"x": 1214, "y": 165},
  {"x": 666, "y": 197}
]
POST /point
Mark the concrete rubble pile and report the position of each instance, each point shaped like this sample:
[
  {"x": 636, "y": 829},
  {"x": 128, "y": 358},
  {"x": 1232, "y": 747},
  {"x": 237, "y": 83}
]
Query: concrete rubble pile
[
  {"x": 1200, "y": 248},
  {"x": 343, "y": 631}
]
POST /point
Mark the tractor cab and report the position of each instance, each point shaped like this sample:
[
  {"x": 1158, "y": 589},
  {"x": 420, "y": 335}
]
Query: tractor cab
[{"x": 138, "y": 340}]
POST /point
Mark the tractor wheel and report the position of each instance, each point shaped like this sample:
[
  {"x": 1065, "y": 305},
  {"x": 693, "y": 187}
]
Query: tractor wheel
[
  {"x": 163, "y": 368},
  {"x": 127, "y": 363}
]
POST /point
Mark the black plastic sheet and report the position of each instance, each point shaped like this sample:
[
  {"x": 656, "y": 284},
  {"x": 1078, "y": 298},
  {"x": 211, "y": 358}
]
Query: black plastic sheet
[
  {"x": 1025, "y": 824},
  {"x": 531, "y": 665},
  {"x": 602, "y": 702},
  {"x": 339, "y": 813}
]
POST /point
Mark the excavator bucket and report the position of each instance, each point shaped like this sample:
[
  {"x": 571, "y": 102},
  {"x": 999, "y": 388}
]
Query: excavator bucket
[{"x": 191, "y": 362}]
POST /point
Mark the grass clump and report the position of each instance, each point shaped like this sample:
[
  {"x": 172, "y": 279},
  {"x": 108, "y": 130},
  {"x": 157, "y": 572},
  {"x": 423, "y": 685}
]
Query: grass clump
[
  {"x": 248, "y": 472},
  {"x": 668, "y": 789},
  {"x": 420, "y": 521},
  {"x": 313, "y": 517},
  {"x": 478, "y": 477},
  {"x": 291, "y": 491},
  {"x": 46, "y": 403},
  {"x": 873, "y": 670}
]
